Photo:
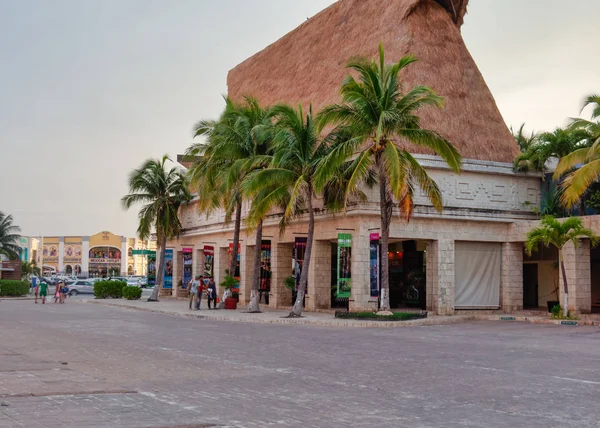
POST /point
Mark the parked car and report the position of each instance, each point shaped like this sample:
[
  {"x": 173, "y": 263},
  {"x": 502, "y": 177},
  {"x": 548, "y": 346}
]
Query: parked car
[{"x": 81, "y": 287}]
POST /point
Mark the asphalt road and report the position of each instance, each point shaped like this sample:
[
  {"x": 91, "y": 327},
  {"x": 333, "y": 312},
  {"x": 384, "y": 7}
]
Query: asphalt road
[{"x": 95, "y": 366}]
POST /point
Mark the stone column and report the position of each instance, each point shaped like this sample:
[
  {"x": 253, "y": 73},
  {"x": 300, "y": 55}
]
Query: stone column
[
  {"x": 124, "y": 256},
  {"x": 360, "y": 296},
  {"x": 579, "y": 278},
  {"x": 85, "y": 256},
  {"x": 221, "y": 265},
  {"x": 319, "y": 277},
  {"x": 512, "y": 277},
  {"x": 61, "y": 254},
  {"x": 281, "y": 268},
  {"x": 176, "y": 291},
  {"x": 440, "y": 276}
]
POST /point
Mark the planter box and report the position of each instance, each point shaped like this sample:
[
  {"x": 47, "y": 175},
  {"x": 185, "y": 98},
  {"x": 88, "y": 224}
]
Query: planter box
[{"x": 231, "y": 303}]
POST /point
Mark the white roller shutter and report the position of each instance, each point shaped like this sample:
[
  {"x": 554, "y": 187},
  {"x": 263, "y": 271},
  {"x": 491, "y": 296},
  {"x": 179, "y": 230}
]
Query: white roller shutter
[{"x": 477, "y": 274}]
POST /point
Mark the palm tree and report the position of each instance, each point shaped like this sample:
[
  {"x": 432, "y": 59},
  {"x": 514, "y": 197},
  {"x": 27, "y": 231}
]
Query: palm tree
[
  {"x": 238, "y": 144},
  {"x": 29, "y": 268},
  {"x": 289, "y": 180},
  {"x": 553, "y": 232},
  {"x": 523, "y": 141},
  {"x": 577, "y": 181},
  {"x": 162, "y": 191},
  {"x": 9, "y": 236},
  {"x": 381, "y": 119},
  {"x": 556, "y": 144}
]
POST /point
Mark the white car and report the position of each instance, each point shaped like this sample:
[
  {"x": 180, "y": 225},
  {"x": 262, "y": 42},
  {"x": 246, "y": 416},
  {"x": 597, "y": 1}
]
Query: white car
[{"x": 81, "y": 286}]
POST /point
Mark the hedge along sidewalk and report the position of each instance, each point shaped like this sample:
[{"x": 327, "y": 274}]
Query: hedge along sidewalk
[
  {"x": 268, "y": 316},
  {"x": 12, "y": 288}
]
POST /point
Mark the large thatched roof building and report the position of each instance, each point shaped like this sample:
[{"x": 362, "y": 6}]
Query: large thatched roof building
[
  {"x": 307, "y": 65},
  {"x": 468, "y": 256}
]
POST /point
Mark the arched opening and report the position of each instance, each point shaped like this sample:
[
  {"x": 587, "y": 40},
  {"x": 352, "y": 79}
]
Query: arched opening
[
  {"x": 69, "y": 270},
  {"x": 130, "y": 270},
  {"x": 77, "y": 270}
]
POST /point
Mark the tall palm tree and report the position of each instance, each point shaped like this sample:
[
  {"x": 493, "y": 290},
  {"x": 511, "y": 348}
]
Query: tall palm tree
[
  {"x": 237, "y": 144},
  {"x": 289, "y": 180},
  {"x": 553, "y": 232},
  {"x": 9, "y": 236},
  {"x": 382, "y": 119},
  {"x": 577, "y": 181},
  {"x": 162, "y": 190}
]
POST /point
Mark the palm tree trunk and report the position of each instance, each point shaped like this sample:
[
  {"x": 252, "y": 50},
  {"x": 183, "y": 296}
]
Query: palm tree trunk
[
  {"x": 254, "y": 294},
  {"x": 236, "y": 238},
  {"x": 297, "y": 309},
  {"x": 566, "y": 287},
  {"x": 160, "y": 269},
  {"x": 386, "y": 208}
]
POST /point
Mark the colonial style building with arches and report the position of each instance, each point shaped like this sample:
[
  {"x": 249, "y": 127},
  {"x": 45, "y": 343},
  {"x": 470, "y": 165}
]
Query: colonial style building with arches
[{"x": 101, "y": 255}]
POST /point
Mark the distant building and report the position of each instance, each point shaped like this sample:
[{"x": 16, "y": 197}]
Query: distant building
[{"x": 100, "y": 255}]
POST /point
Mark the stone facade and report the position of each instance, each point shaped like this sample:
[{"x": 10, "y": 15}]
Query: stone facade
[{"x": 486, "y": 203}]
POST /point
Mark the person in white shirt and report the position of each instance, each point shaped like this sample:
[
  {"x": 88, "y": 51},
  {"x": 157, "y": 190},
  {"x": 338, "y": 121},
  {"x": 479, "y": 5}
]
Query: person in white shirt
[{"x": 193, "y": 290}]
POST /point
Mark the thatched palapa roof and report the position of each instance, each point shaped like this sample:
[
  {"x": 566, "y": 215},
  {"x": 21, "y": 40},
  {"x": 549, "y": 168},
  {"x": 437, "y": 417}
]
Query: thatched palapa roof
[{"x": 307, "y": 65}]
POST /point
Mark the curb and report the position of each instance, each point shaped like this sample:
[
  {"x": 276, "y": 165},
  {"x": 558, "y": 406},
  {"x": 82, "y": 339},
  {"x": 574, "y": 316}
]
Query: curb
[
  {"x": 298, "y": 321},
  {"x": 456, "y": 319}
]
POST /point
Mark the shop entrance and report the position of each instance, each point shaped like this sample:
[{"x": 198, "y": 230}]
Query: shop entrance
[
  {"x": 530, "y": 286},
  {"x": 407, "y": 274}
]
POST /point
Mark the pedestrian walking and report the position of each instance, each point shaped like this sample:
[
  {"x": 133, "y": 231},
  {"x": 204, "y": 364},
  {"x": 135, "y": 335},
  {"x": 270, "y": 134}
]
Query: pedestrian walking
[
  {"x": 193, "y": 290},
  {"x": 57, "y": 292},
  {"x": 201, "y": 288},
  {"x": 36, "y": 291},
  {"x": 43, "y": 292},
  {"x": 212, "y": 293},
  {"x": 63, "y": 292}
]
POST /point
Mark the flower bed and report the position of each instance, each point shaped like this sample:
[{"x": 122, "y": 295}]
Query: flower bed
[{"x": 372, "y": 316}]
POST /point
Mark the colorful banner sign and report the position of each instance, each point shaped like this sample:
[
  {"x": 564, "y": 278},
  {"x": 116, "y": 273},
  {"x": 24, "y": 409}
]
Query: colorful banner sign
[
  {"x": 50, "y": 253},
  {"x": 265, "y": 266},
  {"x": 187, "y": 266},
  {"x": 237, "y": 274},
  {"x": 299, "y": 250},
  {"x": 344, "y": 266},
  {"x": 152, "y": 270},
  {"x": 209, "y": 261},
  {"x": 168, "y": 277},
  {"x": 374, "y": 264}
]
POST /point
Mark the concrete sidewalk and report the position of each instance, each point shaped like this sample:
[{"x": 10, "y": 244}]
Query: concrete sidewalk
[
  {"x": 272, "y": 316},
  {"x": 268, "y": 316}
]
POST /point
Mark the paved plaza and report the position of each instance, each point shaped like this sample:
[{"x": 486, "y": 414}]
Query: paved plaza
[{"x": 87, "y": 365}]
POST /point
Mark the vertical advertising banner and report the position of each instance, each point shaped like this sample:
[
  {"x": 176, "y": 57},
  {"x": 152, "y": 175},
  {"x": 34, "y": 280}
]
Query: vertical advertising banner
[
  {"x": 151, "y": 270},
  {"x": 209, "y": 262},
  {"x": 168, "y": 278},
  {"x": 265, "y": 266},
  {"x": 374, "y": 264},
  {"x": 344, "y": 266},
  {"x": 187, "y": 255},
  {"x": 299, "y": 250},
  {"x": 237, "y": 274}
]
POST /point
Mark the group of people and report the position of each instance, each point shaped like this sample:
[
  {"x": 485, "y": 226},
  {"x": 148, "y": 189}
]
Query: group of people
[
  {"x": 60, "y": 292},
  {"x": 196, "y": 289}
]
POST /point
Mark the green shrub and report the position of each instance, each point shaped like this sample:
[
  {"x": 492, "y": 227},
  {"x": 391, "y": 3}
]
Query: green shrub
[
  {"x": 131, "y": 292},
  {"x": 557, "y": 313},
  {"x": 13, "y": 288},
  {"x": 397, "y": 316},
  {"x": 106, "y": 289}
]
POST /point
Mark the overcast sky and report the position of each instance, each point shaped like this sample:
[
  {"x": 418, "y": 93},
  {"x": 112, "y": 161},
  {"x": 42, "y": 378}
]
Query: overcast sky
[{"x": 90, "y": 88}]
